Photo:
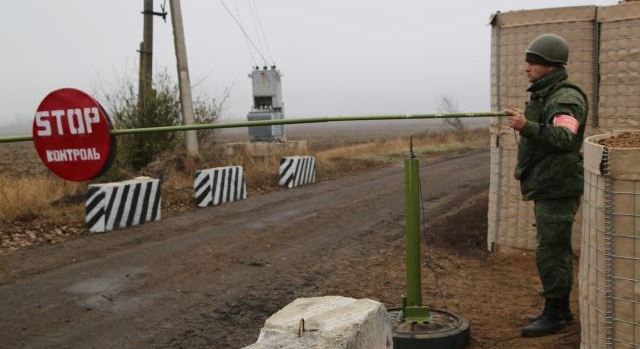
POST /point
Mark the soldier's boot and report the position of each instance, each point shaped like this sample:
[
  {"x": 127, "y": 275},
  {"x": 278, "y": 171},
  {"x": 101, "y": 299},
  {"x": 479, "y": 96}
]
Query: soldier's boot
[
  {"x": 549, "y": 323},
  {"x": 565, "y": 312}
]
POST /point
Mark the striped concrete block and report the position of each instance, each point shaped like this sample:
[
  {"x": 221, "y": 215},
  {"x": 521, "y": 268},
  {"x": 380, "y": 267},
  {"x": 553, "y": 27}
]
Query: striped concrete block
[
  {"x": 297, "y": 170},
  {"x": 216, "y": 186},
  {"x": 116, "y": 205}
]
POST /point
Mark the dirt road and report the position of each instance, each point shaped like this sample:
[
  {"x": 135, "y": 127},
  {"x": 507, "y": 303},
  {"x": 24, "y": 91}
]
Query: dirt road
[{"x": 209, "y": 278}]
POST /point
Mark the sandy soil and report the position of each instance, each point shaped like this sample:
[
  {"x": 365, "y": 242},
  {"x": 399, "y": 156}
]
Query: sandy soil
[
  {"x": 623, "y": 140},
  {"x": 209, "y": 278}
]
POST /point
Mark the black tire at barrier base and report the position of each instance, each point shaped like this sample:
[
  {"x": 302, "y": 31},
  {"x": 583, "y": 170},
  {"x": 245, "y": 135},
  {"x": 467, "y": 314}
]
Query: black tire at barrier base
[{"x": 446, "y": 331}]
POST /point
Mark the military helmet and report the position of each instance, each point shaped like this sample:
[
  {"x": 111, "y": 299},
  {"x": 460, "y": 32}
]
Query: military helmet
[{"x": 551, "y": 48}]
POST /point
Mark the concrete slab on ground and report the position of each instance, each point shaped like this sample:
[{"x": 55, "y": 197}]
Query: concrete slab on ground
[{"x": 330, "y": 322}]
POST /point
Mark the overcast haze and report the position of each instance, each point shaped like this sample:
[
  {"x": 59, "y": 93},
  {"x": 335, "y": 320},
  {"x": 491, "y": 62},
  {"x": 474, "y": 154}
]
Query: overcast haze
[{"x": 337, "y": 56}]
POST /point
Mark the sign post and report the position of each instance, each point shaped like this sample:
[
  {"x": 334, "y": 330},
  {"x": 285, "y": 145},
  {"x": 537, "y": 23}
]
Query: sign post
[{"x": 72, "y": 135}]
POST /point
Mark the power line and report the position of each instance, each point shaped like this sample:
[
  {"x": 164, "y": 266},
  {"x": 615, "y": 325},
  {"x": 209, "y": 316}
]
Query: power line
[
  {"x": 255, "y": 26},
  {"x": 252, "y": 59},
  {"x": 244, "y": 32},
  {"x": 264, "y": 37}
]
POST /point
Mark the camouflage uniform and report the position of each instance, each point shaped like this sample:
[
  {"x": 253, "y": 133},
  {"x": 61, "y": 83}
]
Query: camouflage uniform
[{"x": 550, "y": 173}]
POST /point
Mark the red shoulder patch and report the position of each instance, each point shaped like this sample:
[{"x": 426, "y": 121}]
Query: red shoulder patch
[{"x": 566, "y": 121}]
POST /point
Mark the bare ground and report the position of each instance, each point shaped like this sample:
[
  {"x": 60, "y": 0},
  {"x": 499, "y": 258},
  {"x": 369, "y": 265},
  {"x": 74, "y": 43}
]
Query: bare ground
[{"x": 209, "y": 278}]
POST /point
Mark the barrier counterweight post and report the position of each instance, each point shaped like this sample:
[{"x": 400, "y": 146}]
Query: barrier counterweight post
[{"x": 413, "y": 311}]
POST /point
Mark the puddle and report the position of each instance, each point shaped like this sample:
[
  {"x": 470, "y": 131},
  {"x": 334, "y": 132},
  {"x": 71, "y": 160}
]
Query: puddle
[
  {"x": 104, "y": 292},
  {"x": 109, "y": 284}
]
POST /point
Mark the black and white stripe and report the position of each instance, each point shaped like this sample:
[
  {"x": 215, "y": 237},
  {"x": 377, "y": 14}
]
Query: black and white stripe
[
  {"x": 297, "y": 170},
  {"x": 116, "y": 205},
  {"x": 216, "y": 186}
]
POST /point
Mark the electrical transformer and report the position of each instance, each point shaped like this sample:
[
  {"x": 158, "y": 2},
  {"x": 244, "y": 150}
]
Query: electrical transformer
[{"x": 267, "y": 105}]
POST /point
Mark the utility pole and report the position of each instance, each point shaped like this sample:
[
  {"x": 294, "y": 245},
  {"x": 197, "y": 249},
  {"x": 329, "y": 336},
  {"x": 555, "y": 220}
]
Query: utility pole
[
  {"x": 184, "y": 82},
  {"x": 146, "y": 57}
]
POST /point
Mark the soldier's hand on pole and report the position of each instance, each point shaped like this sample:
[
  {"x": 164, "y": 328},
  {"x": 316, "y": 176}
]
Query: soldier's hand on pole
[{"x": 516, "y": 119}]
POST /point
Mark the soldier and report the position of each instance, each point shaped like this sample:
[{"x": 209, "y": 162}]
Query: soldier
[{"x": 550, "y": 172}]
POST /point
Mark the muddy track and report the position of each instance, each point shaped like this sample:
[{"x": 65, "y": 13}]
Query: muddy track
[{"x": 210, "y": 277}]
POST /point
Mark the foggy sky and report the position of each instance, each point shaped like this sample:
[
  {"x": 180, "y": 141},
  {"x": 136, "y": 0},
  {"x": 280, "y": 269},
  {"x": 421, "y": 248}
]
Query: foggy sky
[{"x": 338, "y": 57}]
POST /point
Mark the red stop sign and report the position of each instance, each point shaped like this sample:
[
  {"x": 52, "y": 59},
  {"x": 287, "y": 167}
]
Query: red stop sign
[{"x": 71, "y": 133}]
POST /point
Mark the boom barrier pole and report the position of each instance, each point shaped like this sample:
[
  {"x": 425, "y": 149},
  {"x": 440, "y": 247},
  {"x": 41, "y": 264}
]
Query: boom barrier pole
[{"x": 26, "y": 138}]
